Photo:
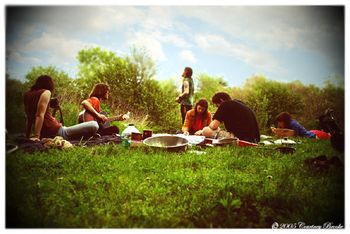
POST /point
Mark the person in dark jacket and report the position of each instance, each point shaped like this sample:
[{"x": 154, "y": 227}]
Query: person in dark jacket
[{"x": 239, "y": 120}]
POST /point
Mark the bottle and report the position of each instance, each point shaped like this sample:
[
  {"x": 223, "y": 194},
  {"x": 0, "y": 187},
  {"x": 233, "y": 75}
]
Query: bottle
[{"x": 127, "y": 131}]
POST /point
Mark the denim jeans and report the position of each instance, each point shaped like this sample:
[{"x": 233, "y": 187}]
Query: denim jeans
[{"x": 86, "y": 129}]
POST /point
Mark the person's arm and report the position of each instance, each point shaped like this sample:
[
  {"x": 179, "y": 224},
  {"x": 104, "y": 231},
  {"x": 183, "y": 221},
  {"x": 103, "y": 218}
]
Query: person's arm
[
  {"x": 206, "y": 123},
  {"x": 88, "y": 107},
  {"x": 214, "y": 124},
  {"x": 186, "y": 90},
  {"x": 301, "y": 131},
  {"x": 40, "y": 113}
]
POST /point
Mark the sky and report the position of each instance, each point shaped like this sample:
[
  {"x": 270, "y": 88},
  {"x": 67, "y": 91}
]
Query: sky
[{"x": 235, "y": 42}]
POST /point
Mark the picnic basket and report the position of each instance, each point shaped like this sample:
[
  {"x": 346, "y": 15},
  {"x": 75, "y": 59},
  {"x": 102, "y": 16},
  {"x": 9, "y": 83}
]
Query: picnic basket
[{"x": 283, "y": 132}]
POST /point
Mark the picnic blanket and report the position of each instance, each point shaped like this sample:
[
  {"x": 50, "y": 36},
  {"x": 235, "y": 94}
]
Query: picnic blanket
[{"x": 58, "y": 142}]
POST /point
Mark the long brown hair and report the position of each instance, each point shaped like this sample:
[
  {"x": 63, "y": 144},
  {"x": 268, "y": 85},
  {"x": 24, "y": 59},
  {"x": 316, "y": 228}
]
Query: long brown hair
[
  {"x": 43, "y": 82},
  {"x": 188, "y": 72},
  {"x": 220, "y": 96},
  {"x": 284, "y": 117},
  {"x": 203, "y": 103},
  {"x": 99, "y": 90}
]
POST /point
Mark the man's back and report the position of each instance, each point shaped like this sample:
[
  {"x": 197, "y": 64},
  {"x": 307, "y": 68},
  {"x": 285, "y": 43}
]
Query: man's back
[{"x": 238, "y": 119}]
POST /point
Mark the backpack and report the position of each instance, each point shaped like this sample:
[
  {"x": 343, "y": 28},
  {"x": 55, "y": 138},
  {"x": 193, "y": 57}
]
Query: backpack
[{"x": 329, "y": 124}]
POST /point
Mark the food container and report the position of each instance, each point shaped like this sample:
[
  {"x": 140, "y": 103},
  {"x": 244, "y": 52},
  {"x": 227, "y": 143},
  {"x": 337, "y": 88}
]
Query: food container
[
  {"x": 167, "y": 142},
  {"x": 146, "y": 134},
  {"x": 283, "y": 132},
  {"x": 136, "y": 136}
]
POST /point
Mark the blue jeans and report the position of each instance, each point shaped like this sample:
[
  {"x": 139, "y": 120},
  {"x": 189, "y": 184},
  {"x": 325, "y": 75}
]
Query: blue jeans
[{"x": 86, "y": 129}]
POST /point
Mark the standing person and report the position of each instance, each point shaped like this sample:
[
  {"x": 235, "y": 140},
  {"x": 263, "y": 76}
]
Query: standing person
[
  {"x": 92, "y": 110},
  {"x": 187, "y": 89},
  {"x": 37, "y": 109},
  {"x": 284, "y": 120},
  {"x": 239, "y": 120},
  {"x": 197, "y": 118}
]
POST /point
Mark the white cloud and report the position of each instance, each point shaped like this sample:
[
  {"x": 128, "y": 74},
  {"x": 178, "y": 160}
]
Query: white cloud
[
  {"x": 151, "y": 44},
  {"x": 15, "y": 56},
  {"x": 175, "y": 40},
  {"x": 60, "y": 49},
  {"x": 188, "y": 56},
  {"x": 153, "y": 39},
  {"x": 92, "y": 19},
  {"x": 219, "y": 45}
]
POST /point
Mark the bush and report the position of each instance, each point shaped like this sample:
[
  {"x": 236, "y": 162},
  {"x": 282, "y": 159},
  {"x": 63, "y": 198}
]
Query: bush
[{"x": 15, "y": 117}]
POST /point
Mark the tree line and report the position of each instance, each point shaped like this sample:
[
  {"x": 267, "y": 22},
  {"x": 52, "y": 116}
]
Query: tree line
[{"x": 152, "y": 102}]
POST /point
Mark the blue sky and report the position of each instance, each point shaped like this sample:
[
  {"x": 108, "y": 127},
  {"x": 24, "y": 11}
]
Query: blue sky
[{"x": 283, "y": 43}]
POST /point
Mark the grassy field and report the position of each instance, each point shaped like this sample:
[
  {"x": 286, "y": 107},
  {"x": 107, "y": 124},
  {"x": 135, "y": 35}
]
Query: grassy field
[{"x": 224, "y": 187}]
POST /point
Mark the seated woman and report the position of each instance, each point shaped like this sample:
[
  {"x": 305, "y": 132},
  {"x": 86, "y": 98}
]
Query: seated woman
[
  {"x": 197, "y": 118},
  {"x": 284, "y": 120},
  {"x": 37, "y": 109},
  {"x": 92, "y": 110}
]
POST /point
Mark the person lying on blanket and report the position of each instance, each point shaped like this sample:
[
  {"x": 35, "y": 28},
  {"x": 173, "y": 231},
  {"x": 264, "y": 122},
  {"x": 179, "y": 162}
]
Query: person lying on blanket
[
  {"x": 92, "y": 111},
  {"x": 37, "y": 109},
  {"x": 284, "y": 120}
]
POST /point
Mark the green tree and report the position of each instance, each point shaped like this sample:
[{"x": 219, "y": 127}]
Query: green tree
[
  {"x": 66, "y": 90},
  {"x": 143, "y": 65},
  {"x": 268, "y": 98},
  {"x": 65, "y": 87},
  {"x": 310, "y": 98},
  {"x": 131, "y": 83},
  {"x": 333, "y": 97},
  {"x": 208, "y": 86},
  {"x": 99, "y": 66},
  {"x": 15, "y": 117}
]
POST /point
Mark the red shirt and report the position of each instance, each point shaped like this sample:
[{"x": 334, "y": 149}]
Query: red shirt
[
  {"x": 95, "y": 103},
  {"x": 190, "y": 125},
  {"x": 198, "y": 124}
]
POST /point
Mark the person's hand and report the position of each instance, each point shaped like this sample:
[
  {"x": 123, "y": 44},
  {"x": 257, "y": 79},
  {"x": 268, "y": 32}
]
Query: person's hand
[
  {"x": 102, "y": 118},
  {"x": 198, "y": 133},
  {"x": 120, "y": 117},
  {"x": 178, "y": 99},
  {"x": 186, "y": 133},
  {"x": 273, "y": 129}
]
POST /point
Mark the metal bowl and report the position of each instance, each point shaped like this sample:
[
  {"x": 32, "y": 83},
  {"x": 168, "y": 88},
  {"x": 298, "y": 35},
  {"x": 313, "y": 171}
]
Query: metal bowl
[{"x": 171, "y": 143}]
